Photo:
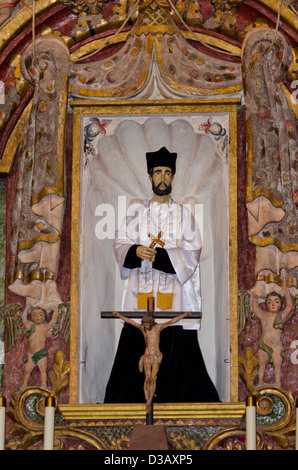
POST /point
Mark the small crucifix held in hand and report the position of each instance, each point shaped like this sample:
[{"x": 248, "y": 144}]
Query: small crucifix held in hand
[
  {"x": 149, "y": 252},
  {"x": 156, "y": 241}
]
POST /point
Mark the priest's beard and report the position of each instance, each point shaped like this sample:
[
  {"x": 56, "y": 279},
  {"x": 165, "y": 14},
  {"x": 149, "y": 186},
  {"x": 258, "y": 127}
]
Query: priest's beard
[{"x": 161, "y": 192}]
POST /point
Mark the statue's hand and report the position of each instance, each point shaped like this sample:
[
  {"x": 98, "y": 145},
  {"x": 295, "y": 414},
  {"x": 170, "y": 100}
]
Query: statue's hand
[{"x": 145, "y": 252}]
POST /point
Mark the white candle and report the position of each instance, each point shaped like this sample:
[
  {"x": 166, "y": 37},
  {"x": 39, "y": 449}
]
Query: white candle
[
  {"x": 251, "y": 424},
  {"x": 296, "y": 424},
  {"x": 49, "y": 424},
  {"x": 2, "y": 422}
]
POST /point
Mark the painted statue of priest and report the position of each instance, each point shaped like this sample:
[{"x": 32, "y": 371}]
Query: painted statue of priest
[{"x": 157, "y": 249}]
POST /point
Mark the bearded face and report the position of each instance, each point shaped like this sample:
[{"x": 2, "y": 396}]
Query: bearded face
[
  {"x": 161, "y": 180},
  {"x": 161, "y": 189}
]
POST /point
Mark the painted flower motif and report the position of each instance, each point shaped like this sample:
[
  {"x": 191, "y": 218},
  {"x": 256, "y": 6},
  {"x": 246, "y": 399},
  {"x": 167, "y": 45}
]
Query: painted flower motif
[
  {"x": 42, "y": 106},
  {"x": 215, "y": 129},
  {"x": 263, "y": 112},
  {"x": 206, "y": 126},
  {"x": 286, "y": 177},
  {"x": 46, "y": 158},
  {"x": 290, "y": 125},
  {"x": 96, "y": 127},
  {"x": 217, "y": 78},
  {"x": 108, "y": 64},
  {"x": 40, "y": 225},
  {"x": 292, "y": 229}
]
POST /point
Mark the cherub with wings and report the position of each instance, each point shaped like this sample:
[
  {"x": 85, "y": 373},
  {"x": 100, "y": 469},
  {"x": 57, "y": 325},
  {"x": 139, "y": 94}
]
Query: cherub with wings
[{"x": 33, "y": 322}]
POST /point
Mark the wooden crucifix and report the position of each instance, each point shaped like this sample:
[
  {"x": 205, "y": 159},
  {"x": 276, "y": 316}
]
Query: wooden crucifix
[
  {"x": 156, "y": 241},
  {"x": 151, "y": 359}
]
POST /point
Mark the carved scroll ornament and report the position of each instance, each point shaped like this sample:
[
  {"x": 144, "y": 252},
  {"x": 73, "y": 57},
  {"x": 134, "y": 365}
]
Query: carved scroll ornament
[
  {"x": 272, "y": 184},
  {"x": 37, "y": 214}
]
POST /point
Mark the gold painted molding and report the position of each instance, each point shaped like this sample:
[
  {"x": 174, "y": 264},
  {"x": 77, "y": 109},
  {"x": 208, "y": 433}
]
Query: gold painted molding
[
  {"x": 127, "y": 107},
  {"x": 233, "y": 242},
  {"x": 98, "y": 44},
  {"x": 11, "y": 146},
  {"x": 127, "y": 411},
  {"x": 21, "y": 19},
  {"x": 286, "y": 13},
  {"x": 140, "y": 106},
  {"x": 208, "y": 39},
  {"x": 212, "y": 41},
  {"x": 27, "y": 411}
]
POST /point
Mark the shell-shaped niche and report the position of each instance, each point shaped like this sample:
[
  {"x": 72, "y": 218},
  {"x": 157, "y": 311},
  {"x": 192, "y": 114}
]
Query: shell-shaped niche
[{"x": 120, "y": 165}]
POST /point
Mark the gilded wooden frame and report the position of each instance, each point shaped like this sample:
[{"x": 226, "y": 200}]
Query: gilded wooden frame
[{"x": 186, "y": 410}]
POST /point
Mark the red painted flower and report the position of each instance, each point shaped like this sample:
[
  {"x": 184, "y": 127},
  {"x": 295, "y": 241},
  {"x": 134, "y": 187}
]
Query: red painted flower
[
  {"x": 290, "y": 125},
  {"x": 263, "y": 112},
  {"x": 206, "y": 126}
]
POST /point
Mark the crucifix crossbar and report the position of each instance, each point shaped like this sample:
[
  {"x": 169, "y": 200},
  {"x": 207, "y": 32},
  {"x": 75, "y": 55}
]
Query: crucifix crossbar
[{"x": 158, "y": 314}]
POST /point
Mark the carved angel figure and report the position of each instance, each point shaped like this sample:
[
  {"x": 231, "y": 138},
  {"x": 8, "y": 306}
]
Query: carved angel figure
[
  {"x": 272, "y": 319},
  {"x": 33, "y": 321}
]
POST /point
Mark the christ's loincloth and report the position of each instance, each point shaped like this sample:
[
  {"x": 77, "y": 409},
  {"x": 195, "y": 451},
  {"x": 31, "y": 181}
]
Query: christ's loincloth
[{"x": 153, "y": 358}]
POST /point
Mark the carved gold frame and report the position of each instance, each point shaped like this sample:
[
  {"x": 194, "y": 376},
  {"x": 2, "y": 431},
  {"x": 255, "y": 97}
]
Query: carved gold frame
[{"x": 137, "y": 411}]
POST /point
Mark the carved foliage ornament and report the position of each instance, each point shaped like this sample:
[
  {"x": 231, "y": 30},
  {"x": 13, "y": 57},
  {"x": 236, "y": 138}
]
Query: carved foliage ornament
[
  {"x": 275, "y": 427},
  {"x": 155, "y": 38},
  {"x": 275, "y": 424},
  {"x": 89, "y": 7}
]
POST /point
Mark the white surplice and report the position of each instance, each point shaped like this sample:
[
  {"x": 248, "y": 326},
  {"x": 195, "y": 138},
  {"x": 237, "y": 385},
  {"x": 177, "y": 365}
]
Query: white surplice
[{"x": 182, "y": 238}]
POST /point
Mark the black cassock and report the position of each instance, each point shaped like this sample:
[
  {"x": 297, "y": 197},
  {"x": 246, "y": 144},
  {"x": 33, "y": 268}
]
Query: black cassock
[{"x": 182, "y": 376}]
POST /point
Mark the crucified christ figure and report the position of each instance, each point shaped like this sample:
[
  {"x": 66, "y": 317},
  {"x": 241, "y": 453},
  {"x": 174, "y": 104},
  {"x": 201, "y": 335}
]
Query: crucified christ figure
[{"x": 151, "y": 359}]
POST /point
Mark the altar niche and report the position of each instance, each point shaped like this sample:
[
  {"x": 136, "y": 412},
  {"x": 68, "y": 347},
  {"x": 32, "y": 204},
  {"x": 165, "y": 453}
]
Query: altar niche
[{"x": 109, "y": 176}]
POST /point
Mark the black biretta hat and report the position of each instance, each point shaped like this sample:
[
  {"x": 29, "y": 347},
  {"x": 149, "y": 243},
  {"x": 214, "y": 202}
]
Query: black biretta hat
[{"x": 161, "y": 158}]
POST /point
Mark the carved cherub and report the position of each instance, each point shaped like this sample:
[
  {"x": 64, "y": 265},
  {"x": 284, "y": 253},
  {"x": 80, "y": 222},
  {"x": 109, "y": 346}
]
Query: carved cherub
[
  {"x": 33, "y": 322},
  {"x": 272, "y": 319},
  {"x": 37, "y": 329}
]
